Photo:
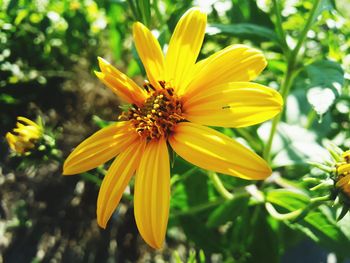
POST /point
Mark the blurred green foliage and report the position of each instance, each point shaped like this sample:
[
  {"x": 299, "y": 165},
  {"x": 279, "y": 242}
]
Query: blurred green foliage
[{"x": 43, "y": 39}]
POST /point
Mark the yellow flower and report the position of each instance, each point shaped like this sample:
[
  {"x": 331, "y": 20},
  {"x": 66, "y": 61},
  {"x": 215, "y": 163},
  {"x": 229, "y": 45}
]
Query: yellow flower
[
  {"x": 170, "y": 109},
  {"x": 24, "y": 136},
  {"x": 343, "y": 174}
]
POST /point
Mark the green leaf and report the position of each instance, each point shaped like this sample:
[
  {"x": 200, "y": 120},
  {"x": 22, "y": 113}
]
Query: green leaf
[
  {"x": 248, "y": 11},
  {"x": 325, "y": 79},
  {"x": 293, "y": 145},
  {"x": 145, "y": 10},
  {"x": 115, "y": 13},
  {"x": 205, "y": 238},
  {"x": 8, "y": 99},
  {"x": 319, "y": 224},
  {"x": 322, "y": 228},
  {"x": 264, "y": 247},
  {"x": 245, "y": 31},
  {"x": 227, "y": 211},
  {"x": 196, "y": 188},
  {"x": 325, "y": 5},
  {"x": 291, "y": 200}
]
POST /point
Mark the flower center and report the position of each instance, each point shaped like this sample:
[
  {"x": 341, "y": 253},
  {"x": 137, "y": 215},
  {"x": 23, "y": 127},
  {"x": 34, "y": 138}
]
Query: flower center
[{"x": 159, "y": 114}]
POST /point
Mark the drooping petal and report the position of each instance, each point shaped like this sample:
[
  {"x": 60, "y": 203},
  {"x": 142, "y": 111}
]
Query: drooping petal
[
  {"x": 214, "y": 151},
  {"x": 235, "y": 104},
  {"x": 152, "y": 193},
  {"x": 184, "y": 48},
  {"x": 150, "y": 53},
  {"x": 99, "y": 148},
  {"x": 116, "y": 180},
  {"x": 234, "y": 63},
  {"x": 119, "y": 83}
]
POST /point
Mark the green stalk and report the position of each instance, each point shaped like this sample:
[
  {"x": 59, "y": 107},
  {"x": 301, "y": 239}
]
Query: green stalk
[
  {"x": 287, "y": 83},
  {"x": 290, "y": 74},
  {"x": 137, "y": 16},
  {"x": 219, "y": 186},
  {"x": 280, "y": 32}
]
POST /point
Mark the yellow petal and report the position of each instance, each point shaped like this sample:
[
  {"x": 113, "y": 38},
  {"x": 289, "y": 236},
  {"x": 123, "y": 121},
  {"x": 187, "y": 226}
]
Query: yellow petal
[
  {"x": 116, "y": 180},
  {"x": 150, "y": 53},
  {"x": 152, "y": 193},
  {"x": 27, "y": 121},
  {"x": 119, "y": 83},
  {"x": 234, "y": 63},
  {"x": 99, "y": 148},
  {"x": 343, "y": 181},
  {"x": 11, "y": 140},
  {"x": 235, "y": 104},
  {"x": 184, "y": 48},
  {"x": 343, "y": 169},
  {"x": 214, "y": 151}
]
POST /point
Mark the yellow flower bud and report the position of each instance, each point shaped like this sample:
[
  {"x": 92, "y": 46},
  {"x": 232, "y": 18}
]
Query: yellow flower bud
[{"x": 23, "y": 138}]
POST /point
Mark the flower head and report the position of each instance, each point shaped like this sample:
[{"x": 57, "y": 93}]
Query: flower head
[
  {"x": 171, "y": 108},
  {"x": 23, "y": 138},
  {"x": 343, "y": 174}
]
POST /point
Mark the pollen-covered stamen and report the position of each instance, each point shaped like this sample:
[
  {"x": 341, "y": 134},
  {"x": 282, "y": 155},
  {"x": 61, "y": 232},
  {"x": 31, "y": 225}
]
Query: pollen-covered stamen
[{"x": 159, "y": 114}]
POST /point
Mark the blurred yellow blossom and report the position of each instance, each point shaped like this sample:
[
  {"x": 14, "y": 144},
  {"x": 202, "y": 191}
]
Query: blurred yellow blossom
[
  {"x": 23, "y": 138},
  {"x": 343, "y": 174}
]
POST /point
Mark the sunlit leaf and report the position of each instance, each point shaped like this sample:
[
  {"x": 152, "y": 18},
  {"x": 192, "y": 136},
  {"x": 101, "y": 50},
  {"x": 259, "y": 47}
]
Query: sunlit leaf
[
  {"x": 319, "y": 224},
  {"x": 293, "y": 145},
  {"x": 326, "y": 79},
  {"x": 244, "y": 30}
]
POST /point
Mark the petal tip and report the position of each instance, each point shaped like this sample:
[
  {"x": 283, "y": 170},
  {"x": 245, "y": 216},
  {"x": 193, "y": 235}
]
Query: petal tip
[
  {"x": 102, "y": 60},
  {"x": 196, "y": 9},
  {"x": 99, "y": 74},
  {"x": 66, "y": 171},
  {"x": 101, "y": 223}
]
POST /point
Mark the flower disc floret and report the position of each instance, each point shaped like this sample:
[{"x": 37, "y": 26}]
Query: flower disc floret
[{"x": 159, "y": 114}]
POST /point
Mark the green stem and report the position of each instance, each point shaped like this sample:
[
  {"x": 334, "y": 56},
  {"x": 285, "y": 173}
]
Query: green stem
[
  {"x": 303, "y": 34},
  {"x": 134, "y": 10},
  {"x": 298, "y": 214},
  {"x": 290, "y": 74},
  {"x": 280, "y": 32},
  {"x": 310, "y": 118},
  {"x": 284, "y": 93},
  {"x": 159, "y": 15},
  {"x": 288, "y": 216},
  {"x": 219, "y": 186}
]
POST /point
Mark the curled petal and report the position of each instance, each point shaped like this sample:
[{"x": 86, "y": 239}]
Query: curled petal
[{"x": 119, "y": 83}]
